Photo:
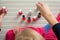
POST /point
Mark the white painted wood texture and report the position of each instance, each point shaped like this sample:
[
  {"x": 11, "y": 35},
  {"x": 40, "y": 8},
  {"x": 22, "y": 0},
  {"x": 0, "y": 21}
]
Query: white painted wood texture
[{"x": 13, "y": 7}]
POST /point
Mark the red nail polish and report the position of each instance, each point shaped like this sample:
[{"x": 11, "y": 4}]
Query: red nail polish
[
  {"x": 29, "y": 20},
  {"x": 20, "y": 12},
  {"x": 34, "y": 18},
  {"x": 23, "y": 18}
]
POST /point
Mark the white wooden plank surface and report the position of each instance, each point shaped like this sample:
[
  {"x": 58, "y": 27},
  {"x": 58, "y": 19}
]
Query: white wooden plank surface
[{"x": 13, "y": 7}]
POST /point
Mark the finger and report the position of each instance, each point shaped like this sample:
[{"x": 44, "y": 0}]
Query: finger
[
  {"x": 38, "y": 6},
  {"x": 41, "y": 3},
  {"x": 15, "y": 30}
]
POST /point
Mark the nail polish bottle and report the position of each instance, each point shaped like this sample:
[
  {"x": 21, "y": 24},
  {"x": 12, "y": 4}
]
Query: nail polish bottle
[
  {"x": 34, "y": 18},
  {"x": 29, "y": 13},
  {"x": 20, "y": 12},
  {"x": 23, "y": 18},
  {"x": 29, "y": 20},
  {"x": 39, "y": 15}
]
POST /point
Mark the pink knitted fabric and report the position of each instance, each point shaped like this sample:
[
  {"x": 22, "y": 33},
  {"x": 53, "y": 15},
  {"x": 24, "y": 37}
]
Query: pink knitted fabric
[{"x": 48, "y": 36}]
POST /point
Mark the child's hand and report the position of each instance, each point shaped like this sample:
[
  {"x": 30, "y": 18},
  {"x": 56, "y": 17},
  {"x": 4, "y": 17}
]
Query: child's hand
[
  {"x": 16, "y": 30},
  {"x": 3, "y": 11},
  {"x": 46, "y": 13},
  {"x": 43, "y": 8}
]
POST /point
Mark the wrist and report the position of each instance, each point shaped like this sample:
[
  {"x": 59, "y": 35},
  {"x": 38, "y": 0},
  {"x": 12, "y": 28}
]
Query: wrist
[
  {"x": 51, "y": 19},
  {"x": 48, "y": 14}
]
